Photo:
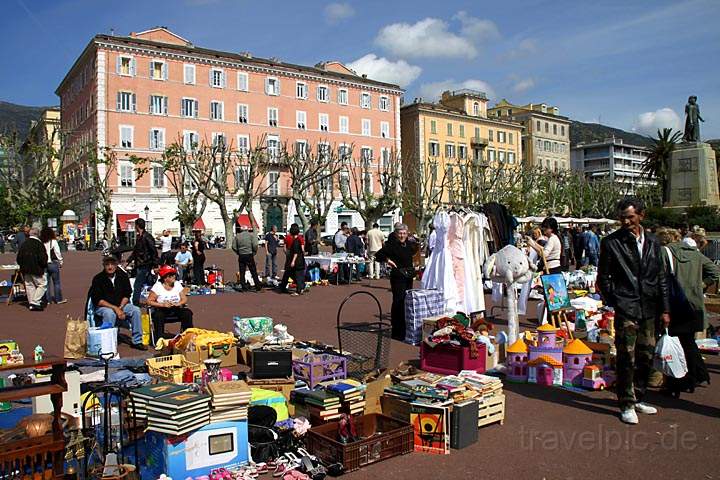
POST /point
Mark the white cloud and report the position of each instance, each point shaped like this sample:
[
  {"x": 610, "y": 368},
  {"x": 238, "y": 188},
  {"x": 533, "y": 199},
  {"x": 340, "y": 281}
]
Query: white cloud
[
  {"x": 522, "y": 85},
  {"x": 384, "y": 70},
  {"x": 477, "y": 28},
  {"x": 427, "y": 38},
  {"x": 337, "y": 12},
  {"x": 432, "y": 91},
  {"x": 525, "y": 48},
  {"x": 649, "y": 123}
]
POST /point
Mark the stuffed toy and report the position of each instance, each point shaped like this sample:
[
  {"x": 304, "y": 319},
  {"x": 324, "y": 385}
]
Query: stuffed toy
[{"x": 509, "y": 266}]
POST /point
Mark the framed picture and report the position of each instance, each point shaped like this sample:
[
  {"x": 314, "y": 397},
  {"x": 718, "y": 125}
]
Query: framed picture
[{"x": 556, "y": 292}]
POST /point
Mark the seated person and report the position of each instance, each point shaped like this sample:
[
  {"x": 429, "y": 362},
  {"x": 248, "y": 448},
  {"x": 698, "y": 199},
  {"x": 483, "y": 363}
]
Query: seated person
[
  {"x": 110, "y": 293},
  {"x": 168, "y": 299},
  {"x": 183, "y": 262}
]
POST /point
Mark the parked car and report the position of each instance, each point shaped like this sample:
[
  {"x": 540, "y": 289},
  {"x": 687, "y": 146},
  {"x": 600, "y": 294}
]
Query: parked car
[{"x": 327, "y": 240}]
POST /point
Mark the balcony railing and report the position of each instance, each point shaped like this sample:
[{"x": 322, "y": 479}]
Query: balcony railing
[{"x": 478, "y": 141}]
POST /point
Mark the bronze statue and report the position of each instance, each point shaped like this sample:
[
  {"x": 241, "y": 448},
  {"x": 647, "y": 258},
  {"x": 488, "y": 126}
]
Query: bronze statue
[{"x": 692, "y": 120}]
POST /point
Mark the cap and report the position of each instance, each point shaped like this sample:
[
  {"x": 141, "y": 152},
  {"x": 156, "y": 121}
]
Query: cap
[{"x": 166, "y": 270}]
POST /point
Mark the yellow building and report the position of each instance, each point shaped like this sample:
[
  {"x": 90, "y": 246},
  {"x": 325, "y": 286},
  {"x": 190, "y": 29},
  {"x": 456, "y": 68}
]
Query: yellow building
[
  {"x": 452, "y": 134},
  {"x": 47, "y": 130},
  {"x": 546, "y": 137}
]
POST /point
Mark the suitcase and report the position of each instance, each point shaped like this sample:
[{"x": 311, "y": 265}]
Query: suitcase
[
  {"x": 271, "y": 364},
  {"x": 419, "y": 305}
]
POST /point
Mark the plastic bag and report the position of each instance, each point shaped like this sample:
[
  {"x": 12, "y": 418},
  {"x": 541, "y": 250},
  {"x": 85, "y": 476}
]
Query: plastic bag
[
  {"x": 75, "y": 337},
  {"x": 670, "y": 357}
]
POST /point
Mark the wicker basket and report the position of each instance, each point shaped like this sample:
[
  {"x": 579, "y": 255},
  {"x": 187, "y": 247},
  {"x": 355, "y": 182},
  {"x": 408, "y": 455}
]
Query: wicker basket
[{"x": 171, "y": 367}]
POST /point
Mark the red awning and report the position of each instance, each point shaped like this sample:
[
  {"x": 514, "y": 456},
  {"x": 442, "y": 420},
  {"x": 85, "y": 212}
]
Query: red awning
[
  {"x": 199, "y": 224},
  {"x": 244, "y": 221},
  {"x": 126, "y": 221}
]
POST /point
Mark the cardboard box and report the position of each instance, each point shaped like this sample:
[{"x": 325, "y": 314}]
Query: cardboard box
[
  {"x": 227, "y": 360},
  {"x": 374, "y": 392},
  {"x": 282, "y": 385}
]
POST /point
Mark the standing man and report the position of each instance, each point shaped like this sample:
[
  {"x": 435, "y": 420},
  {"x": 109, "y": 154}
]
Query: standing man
[
  {"x": 20, "y": 237},
  {"x": 245, "y": 245},
  {"x": 375, "y": 239},
  {"x": 591, "y": 244},
  {"x": 32, "y": 259},
  {"x": 271, "y": 246},
  {"x": 340, "y": 244},
  {"x": 311, "y": 239},
  {"x": 632, "y": 280},
  {"x": 166, "y": 255},
  {"x": 145, "y": 256}
]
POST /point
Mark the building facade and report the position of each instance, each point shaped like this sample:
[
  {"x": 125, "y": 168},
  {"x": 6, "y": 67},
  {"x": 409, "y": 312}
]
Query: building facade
[
  {"x": 452, "y": 132},
  {"x": 546, "y": 136},
  {"x": 139, "y": 94},
  {"x": 612, "y": 160}
]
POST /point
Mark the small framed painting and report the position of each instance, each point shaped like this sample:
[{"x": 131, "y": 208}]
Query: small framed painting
[{"x": 556, "y": 293}]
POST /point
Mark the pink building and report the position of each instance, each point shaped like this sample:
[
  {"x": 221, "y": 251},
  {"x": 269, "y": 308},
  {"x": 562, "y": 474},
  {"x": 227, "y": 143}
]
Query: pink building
[{"x": 140, "y": 93}]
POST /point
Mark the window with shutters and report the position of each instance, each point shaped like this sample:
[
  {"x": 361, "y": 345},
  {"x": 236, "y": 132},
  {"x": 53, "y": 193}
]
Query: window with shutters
[
  {"x": 501, "y": 156},
  {"x": 366, "y": 127},
  {"x": 476, "y": 109},
  {"x": 511, "y": 157},
  {"x": 554, "y": 129},
  {"x": 323, "y": 150},
  {"x": 189, "y": 74},
  {"x": 562, "y": 130},
  {"x": 462, "y": 152},
  {"x": 125, "y": 65},
  {"x": 273, "y": 147},
  {"x": 243, "y": 116},
  {"x": 547, "y": 127},
  {"x": 449, "y": 129},
  {"x": 126, "y": 136},
  {"x": 272, "y": 86},
  {"x": 274, "y": 183},
  {"x": 324, "y": 122},
  {"x": 189, "y": 107},
  {"x": 344, "y": 124},
  {"x": 126, "y": 102},
  {"x": 127, "y": 175},
  {"x": 158, "y": 105},
  {"x": 323, "y": 93},
  {"x": 385, "y": 158},
  {"x": 242, "y": 82},
  {"x": 190, "y": 140},
  {"x": 301, "y": 148},
  {"x": 301, "y": 118},
  {"x": 366, "y": 154},
  {"x": 158, "y": 176},
  {"x": 157, "y": 138},
  {"x": 384, "y": 104},
  {"x": 219, "y": 141},
  {"x": 217, "y": 110},
  {"x": 342, "y": 96},
  {"x": 384, "y": 129},
  {"x": 343, "y": 153},
  {"x": 273, "y": 117},
  {"x": 491, "y": 155},
  {"x": 433, "y": 126},
  {"x": 367, "y": 183},
  {"x": 365, "y": 100},
  {"x": 449, "y": 150},
  {"x": 510, "y": 138},
  {"x": 217, "y": 78},
  {"x": 434, "y": 149},
  {"x": 501, "y": 137},
  {"x": 158, "y": 70},
  {"x": 491, "y": 136},
  {"x": 301, "y": 90},
  {"x": 461, "y": 131},
  {"x": 243, "y": 144}
]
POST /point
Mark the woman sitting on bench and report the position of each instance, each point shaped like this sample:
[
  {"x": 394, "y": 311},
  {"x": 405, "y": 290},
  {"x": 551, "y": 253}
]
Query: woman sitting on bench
[{"x": 168, "y": 301}]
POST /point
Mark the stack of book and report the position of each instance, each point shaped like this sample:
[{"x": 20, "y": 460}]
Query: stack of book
[
  {"x": 318, "y": 406},
  {"x": 352, "y": 397},
  {"x": 484, "y": 385},
  {"x": 142, "y": 395},
  {"x": 178, "y": 413},
  {"x": 229, "y": 402}
]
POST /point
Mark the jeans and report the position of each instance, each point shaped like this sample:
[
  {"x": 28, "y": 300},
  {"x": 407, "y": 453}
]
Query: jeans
[
  {"x": 53, "y": 276},
  {"x": 182, "y": 273},
  {"x": 247, "y": 261},
  {"x": 374, "y": 267},
  {"x": 161, "y": 316},
  {"x": 141, "y": 278},
  {"x": 35, "y": 287},
  {"x": 132, "y": 320},
  {"x": 271, "y": 261}
]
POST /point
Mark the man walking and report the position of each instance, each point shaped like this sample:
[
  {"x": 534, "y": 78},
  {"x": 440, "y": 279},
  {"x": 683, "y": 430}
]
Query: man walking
[
  {"x": 245, "y": 245},
  {"x": 32, "y": 259},
  {"x": 311, "y": 239},
  {"x": 375, "y": 239},
  {"x": 271, "y": 246},
  {"x": 632, "y": 280},
  {"x": 591, "y": 244},
  {"x": 145, "y": 256}
]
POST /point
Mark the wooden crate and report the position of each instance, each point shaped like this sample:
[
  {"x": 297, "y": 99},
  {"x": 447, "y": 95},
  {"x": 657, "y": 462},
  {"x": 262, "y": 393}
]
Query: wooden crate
[{"x": 491, "y": 410}]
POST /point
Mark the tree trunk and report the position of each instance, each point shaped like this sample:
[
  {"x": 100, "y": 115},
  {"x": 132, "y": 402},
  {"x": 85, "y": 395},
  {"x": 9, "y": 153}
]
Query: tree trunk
[{"x": 228, "y": 221}]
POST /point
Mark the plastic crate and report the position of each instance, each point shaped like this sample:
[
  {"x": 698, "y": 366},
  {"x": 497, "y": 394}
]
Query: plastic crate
[
  {"x": 171, "y": 367},
  {"x": 450, "y": 359},
  {"x": 316, "y": 368},
  {"x": 382, "y": 438}
]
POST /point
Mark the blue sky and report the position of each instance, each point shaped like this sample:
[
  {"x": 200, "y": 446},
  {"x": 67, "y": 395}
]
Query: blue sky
[{"x": 629, "y": 64}]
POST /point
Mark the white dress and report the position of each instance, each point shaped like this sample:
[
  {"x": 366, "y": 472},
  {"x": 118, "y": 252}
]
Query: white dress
[
  {"x": 474, "y": 300},
  {"x": 439, "y": 273}
]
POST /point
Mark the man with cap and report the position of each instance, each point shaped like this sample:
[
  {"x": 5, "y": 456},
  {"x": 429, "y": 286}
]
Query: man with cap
[{"x": 110, "y": 293}]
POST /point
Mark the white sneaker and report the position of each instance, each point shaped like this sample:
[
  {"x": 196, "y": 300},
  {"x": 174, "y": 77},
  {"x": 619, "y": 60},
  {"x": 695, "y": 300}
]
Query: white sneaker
[
  {"x": 629, "y": 416},
  {"x": 645, "y": 408}
]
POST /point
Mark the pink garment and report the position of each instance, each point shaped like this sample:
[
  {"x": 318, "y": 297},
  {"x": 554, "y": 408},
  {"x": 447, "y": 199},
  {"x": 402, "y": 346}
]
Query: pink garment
[{"x": 456, "y": 245}]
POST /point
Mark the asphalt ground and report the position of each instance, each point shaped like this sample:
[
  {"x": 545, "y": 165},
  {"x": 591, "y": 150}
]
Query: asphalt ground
[{"x": 549, "y": 433}]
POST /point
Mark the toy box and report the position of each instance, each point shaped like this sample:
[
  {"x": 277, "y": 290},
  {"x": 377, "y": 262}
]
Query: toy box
[{"x": 450, "y": 359}]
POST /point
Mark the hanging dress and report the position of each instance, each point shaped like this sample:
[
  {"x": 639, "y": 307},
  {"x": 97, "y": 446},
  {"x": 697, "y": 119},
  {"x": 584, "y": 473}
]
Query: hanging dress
[
  {"x": 474, "y": 296},
  {"x": 438, "y": 274},
  {"x": 456, "y": 244}
]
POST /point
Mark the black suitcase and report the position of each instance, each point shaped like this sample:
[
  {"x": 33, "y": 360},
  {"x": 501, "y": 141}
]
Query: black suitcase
[{"x": 271, "y": 364}]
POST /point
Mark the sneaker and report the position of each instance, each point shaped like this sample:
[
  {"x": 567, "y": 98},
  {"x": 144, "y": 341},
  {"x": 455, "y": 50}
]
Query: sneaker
[
  {"x": 139, "y": 346},
  {"x": 36, "y": 308},
  {"x": 629, "y": 416},
  {"x": 645, "y": 409},
  {"x": 294, "y": 294},
  {"x": 64, "y": 300}
]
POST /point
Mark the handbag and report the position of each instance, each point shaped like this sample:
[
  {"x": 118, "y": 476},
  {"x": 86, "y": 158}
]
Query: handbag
[{"x": 246, "y": 327}]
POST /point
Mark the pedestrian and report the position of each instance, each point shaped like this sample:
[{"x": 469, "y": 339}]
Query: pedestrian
[
  {"x": 166, "y": 253},
  {"x": 355, "y": 246},
  {"x": 693, "y": 272},
  {"x": 32, "y": 259},
  {"x": 632, "y": 281},
  {"x": 271, "y": 247},
  {"x": 245, "y": 245},
  {"x": 375, "y": 239},
  {"x": 312, "y": 240},
  {"x": 591, "y": 245},
  {"x": 198, "y": 256},
  {"x": 340, "y": 238},
  {"x": 398, "y": 254},
  {"x": 183, "y": 263},
  {"x": 21, "y": 236},
  {"x": 55, "y": 263},
  {"x": 294, "y": 262},
  {"x": 144, "y": 256},
  {"x": 577, "y": 244},
  {"x": 2, "y": 243},
  {"x": 110, "y": 294},
  {"x": 553, "y": 248}
]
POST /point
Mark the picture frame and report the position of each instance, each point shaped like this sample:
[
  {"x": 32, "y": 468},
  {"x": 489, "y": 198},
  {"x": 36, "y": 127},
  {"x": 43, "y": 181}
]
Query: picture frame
[{"x": 556, "y": 293}]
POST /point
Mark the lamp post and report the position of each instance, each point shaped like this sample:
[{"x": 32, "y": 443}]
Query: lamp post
[{"x": 148, "y": 226}]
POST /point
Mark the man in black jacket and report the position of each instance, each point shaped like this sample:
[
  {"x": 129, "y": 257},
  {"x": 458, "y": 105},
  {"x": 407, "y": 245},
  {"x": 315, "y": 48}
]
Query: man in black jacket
[
  {"x": 632, "y": 280},
  {"x": 110, "y": 293},
  {"x": 145, "y": 256},
  {"x": 32, "y": 259}
]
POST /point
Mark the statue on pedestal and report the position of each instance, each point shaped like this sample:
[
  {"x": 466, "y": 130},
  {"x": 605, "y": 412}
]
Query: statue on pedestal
[{"x": 692, "y": 120}]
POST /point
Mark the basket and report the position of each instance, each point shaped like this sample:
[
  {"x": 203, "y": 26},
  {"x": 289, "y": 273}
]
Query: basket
[
  {"x": 314, "y": 369},
  {"x": 366, "y": 345},
  {"x": 170, "y": 368},
  {"x": 382, "y": 438}
]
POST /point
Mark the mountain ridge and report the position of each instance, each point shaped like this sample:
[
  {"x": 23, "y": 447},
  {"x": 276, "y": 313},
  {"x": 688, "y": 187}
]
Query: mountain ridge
[{"x": 18, "y": 118}]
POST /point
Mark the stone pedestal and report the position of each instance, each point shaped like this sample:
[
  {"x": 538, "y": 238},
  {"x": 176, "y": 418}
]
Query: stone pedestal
[{"x": 693, "y": 178}]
